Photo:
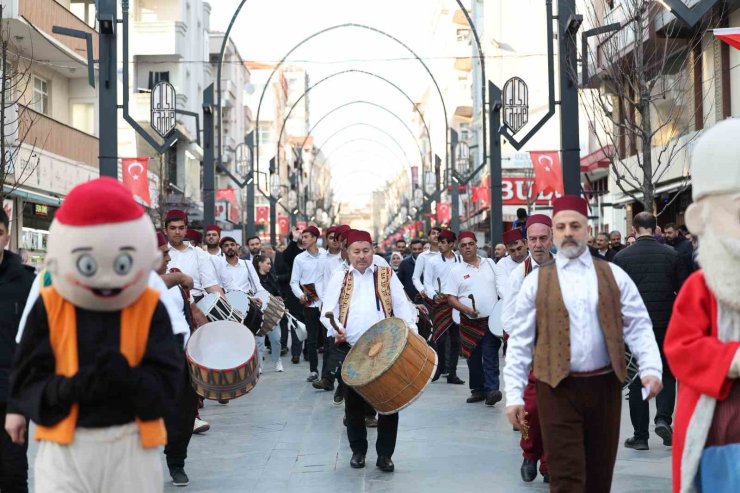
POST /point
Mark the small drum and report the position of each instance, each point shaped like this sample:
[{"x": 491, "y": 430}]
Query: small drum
[
  {"x": 632, "y": 370},
  {"x": 251, "y": 315},
  {"x": 217, "y": 308},
  {"x": 272, "y": 311},
  {"x": 222, "y": 360},
  {"x": 424, "y": 323},
  {"x": 495, "y": 324},
  {"x": 390, "y": 366}
]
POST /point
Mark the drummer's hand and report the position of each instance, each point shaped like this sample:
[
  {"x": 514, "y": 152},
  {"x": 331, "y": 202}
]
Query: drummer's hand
[
  {"x": 185, "y": 280},
  {"x": 340, "y": 337},
  {"x": 440, "y": 298},
  {"x": 199, "y": 318},
  {"x": 258, "y": 302},
  {"x": 470, "y": 312},
  {"x": 302, "y": 299},
  {"x": 653, "y": 384},
  {"x": 423, "y": 309},
  {"x": 515, "y": 414},
  {"x": 15, "y": 426},
  {"x": 280, "y": 299}
]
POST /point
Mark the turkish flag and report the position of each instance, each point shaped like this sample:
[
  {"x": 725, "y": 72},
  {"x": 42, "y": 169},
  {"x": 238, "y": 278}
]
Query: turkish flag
[
  {"x": 444, "y": 213},
  {"x": 263, "y": 214},
  {"x": 283, "y": 224},
  {"x": 136, "y": 177},
  {"x": 548, "y": 173},
  {"x": 731, "y": 36}
]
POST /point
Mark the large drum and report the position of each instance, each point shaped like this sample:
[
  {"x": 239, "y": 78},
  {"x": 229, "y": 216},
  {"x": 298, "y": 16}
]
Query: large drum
[
  {"x": 217, "y": 308},
  {"x": 251, "y": 315},
  {"x": 390, "y": 366},
  {"x": 222, "y": 360},
  {"x": 272, "y": 311},
  {"x": 495, "y": 324}
]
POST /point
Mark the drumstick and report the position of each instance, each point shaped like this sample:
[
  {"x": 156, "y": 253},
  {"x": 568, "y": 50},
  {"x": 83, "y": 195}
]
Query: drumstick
[
  {"x": 472, "y": 298},
  {"x": 339, "y": 330}
]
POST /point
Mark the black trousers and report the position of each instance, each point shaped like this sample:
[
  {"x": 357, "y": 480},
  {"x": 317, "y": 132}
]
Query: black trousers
[
  {"x": 13, "y": 461},
  {"x": 313, "y": 327},
  {"x": 355, "y": 410},
  {"x": 448, "y": 350},
  {"x": 665, "y": 401},
  {"x": 284, "y": 332},
  {"x": 179, "y": 424}
]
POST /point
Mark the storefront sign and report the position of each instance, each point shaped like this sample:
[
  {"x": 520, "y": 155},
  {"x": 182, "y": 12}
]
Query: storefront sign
[
  {"x": 40, "y": 210},
  {"x": 515, "y": 189}
]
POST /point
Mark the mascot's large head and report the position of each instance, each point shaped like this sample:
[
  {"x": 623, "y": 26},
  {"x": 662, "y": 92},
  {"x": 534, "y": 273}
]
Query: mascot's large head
[
  {"x": 102, "y": 247},
  {"x": 715, "y": 214}
]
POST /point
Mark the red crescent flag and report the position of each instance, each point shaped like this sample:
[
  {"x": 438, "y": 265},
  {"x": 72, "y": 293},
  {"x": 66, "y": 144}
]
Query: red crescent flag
[
  {"x": 444, "y": 213},
  {"x": 263, "y": 214},
  {"x": 136, "y": 177},
  {"x": 283, "y": 224},
  {"x": 548, "y": 173},
  {"x": 731, "y": 36}
]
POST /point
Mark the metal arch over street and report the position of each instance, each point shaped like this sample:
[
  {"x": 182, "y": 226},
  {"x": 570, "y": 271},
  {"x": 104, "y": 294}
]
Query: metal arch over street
[
  {"x": 324, "y": 31},
  {"x": 370, "y": 140},
  {"x": 376, "y": 105},
  {"x": 371, "y": 126},
  {"x": 329, "y": 77}
]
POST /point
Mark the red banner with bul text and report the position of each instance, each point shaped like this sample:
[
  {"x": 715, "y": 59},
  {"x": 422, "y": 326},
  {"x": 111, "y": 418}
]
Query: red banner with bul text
[{"x": 136, "y": 178}]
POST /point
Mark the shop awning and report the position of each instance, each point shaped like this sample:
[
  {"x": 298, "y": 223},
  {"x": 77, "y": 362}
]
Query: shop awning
[
  {"x": 597, "y": 160},
  {"x": 31, "y": 196},
  {"x": 730, "y": 35}
]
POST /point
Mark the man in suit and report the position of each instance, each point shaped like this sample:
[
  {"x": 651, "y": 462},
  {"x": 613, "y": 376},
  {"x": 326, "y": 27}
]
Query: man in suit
[
  {"x": 406, "y": 269},
  {"x": 602, "y": 247}
]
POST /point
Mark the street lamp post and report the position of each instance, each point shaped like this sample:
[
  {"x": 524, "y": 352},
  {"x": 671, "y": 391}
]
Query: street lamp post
[
  {"x": 274, "y": 197},
  {"x": 452, "y": 180}
]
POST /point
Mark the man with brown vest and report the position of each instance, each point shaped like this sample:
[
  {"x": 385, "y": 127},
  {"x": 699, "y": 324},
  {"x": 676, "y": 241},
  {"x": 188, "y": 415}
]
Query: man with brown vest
[{"x": 576, "y": 327}]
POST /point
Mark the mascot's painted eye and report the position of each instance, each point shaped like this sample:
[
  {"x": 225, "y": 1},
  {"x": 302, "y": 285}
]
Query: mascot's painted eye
[
  {"x": 122, "y": 264},
  {"x": 87, "y": 266}
]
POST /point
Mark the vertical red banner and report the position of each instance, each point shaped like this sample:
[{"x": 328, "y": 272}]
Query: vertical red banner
[
  {"x": 136, "y": 178},
  {"x": 444, "y": 212},
  {"x": 548, "y": 172},
  {"x": 263, "y": 214},
  {"x": 283, "y": 225}
]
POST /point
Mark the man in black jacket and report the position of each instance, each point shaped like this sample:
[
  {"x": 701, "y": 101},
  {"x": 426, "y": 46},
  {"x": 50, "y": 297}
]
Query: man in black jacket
[
  {"x": 406, "y": 269},
  {"x": 656, "y": 270},
  {"x": 15, "y": 283},
  {"x": 283, "y": 266},
  {"x": 675, "y": 238}
]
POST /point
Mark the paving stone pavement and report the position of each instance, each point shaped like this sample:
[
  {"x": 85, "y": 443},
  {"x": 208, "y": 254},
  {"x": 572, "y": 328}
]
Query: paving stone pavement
[{"x": 286, "y": 436}]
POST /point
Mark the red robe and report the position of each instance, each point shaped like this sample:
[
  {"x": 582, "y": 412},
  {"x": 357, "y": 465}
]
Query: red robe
[{"x": 698, "y": 359}]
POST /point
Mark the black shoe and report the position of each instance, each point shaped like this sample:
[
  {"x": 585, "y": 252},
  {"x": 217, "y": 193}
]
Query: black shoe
[
  {"x": 357, "y": 461},
  {"x": 636, "y": 443},
  {"x": 664, "y": 431},
  {"x": 295, "y": 360},
  {"x": 223, "y": 401},
  {"x": 344, "y": 421},
  {"x": 179, "y": 478},
  {"x": 312, "y": 377},
  {"x": 493, "y": 397},
  {"x": 455, "y": 380},
  {"x": 338, "y": 399},
  {"x": 283, "y": 351},
  {"x": 546, "y": 477},
  {"x": 323, "y": 384},
  {"x": 475, "y": 397},
  {"x": 515, "y": 428},
  {"x": 529, "y": 470},
  {"x": 385, "y": 464},
  {"x": 371, "y": 422}
]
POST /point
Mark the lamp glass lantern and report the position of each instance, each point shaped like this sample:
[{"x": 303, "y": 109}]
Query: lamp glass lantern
[
  {"x": 418, "y": 197},
  {"x": 310, "y": 207},
  {"x": 243, "y": 160},
  {"x": 462, "y": 158},
  {"x": 430, "y": 183},
  {"x": 275, "y": 185},
  {"x": 292, "y": 199}
]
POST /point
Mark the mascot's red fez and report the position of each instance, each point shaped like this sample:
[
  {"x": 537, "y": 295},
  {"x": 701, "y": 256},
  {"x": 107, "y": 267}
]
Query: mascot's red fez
[{"x": 115, "y": 204}]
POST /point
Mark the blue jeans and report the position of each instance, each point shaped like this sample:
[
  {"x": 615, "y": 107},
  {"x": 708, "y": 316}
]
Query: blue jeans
[
  {"x": 483, "y": 364},
  {"x": 274, "y": 336}
]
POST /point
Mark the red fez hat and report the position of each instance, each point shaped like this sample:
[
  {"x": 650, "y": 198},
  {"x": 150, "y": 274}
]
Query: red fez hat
[
  {"x": 193, "y": 235},
  {"x": 570, "y": 203},
  {"x": 313, "y": 230},
  {"x": 342, "y": 230},
  {"x": 161, "y": 240},
  {"x": 512, "y": 236},
  {"x": 100, "y": 201},
  {"x": 225, "y": 239},
  {"x": 447, "y": 234},
  {"x": 215, "y": 228},
  {"x": 538, "y": 219},
  {"x": 176, "y": 215},
  {"x": 330, "y": 230},
  {"x": 355, "y": 235},
  {"x": 467, "y": 234}
]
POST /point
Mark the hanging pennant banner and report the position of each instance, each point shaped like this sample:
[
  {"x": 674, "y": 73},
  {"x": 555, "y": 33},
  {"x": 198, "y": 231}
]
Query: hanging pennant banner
[{"x": 135, "y": 177}]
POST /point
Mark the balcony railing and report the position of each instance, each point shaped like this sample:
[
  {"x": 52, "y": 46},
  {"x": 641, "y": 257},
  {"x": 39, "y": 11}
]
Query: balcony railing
[
  {"x": 55, "y": 137},
  {"x": 44, "y": 14}
]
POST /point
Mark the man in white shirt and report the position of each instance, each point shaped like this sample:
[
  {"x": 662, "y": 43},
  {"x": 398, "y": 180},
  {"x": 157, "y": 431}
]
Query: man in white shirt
[
  {"x": 216, "y": 256},
  {"x": 517, "y": 249},
  {"x": 580, "y": 311},
  {"x": 418, "y": 276},
  {"x": 446, "y": 330},
  {"x": 306, "y": 283},
  {"x": 361, "y": 310},
  {"x": 213, "y": 239},
  {"x": 188, "y": 259},
  {"x": 241, "y": 271},
  {"x": 539, "y": 241},
  {"x": 473, "y": 287}
]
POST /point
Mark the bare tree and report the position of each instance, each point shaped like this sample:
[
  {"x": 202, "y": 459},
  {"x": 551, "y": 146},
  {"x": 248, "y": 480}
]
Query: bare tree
[
  {"x": 645, "y": 106},
  {"x": 18, "y": 142}
]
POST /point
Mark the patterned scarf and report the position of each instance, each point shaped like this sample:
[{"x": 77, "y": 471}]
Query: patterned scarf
[
  {"x": 441, "y": 318},
  {"x": 472, "y": 331}
]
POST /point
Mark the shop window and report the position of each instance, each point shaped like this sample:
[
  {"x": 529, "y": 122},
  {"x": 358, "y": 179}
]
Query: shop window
[{"x": 40, "y": 102}]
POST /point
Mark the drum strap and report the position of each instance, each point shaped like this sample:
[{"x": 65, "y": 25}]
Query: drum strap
[
  {"x": 252, "y": 285},
  {"x": 345, "y": 297},
  {"x": 382, "y": 280}
]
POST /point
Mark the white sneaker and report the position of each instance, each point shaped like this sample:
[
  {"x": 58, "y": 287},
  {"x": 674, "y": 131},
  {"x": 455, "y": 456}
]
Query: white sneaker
[
  {"x": 200, "y": 426},
  {"x": 279, "y": 366},
  {"x": 260, "y": 370}
]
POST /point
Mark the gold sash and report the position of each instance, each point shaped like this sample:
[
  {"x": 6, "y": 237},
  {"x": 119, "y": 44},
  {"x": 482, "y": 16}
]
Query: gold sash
[{"x": 382, "y": 277}]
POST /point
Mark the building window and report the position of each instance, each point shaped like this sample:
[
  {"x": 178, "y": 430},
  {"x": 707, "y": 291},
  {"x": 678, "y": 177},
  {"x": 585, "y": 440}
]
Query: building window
[
  {"x": 40, "y": 102},
  {"x": 155, "y": 77},
  {"x": 85, "y": 10},
  {"x": 83, "y": 117},
  {"x": 265, "y": 134}
]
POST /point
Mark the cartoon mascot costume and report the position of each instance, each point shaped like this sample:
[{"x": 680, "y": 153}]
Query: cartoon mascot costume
[
  {"x": 703, "y": 339},
  {"x": 98, "y": 365}
]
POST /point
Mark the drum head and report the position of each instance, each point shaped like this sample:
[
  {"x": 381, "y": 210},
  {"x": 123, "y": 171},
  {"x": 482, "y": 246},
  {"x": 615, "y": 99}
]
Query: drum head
[
  {"x": 375, "y": 352},
  {"x": 221, "y": 345},
  {"x": 239, "y": 301},
  {"x": 494, "y": 319},
  {"x": 208, "y": 302}
]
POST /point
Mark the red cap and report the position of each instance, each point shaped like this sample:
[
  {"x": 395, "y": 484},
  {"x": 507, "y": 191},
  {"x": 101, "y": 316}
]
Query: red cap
[
  {"x": 313, "y": 230},
  {"x": 161, "y": 240},
  {"x": 538, "y": 219},
  {"x": 176, "y": 215},
  {"x": 100, "y": 201},
  {"x": 225, "y": 239},
  {"x": 467, "y": 234},
  {"x": 193, "y": 235},
  {"x": 355, "y": 235},
  {"x": 342, "y": 230},
  {"x": 570, "y": 203},
  {"x": 330, "y": 230},
  {"x": 447, "y": 234},
  {"x": 215, "y": 228},
  {"x": 512, "y": 236}
]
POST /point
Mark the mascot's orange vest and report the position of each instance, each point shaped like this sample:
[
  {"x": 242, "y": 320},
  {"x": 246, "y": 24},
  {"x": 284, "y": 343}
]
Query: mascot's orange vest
[{"x": 135, "y": 322}]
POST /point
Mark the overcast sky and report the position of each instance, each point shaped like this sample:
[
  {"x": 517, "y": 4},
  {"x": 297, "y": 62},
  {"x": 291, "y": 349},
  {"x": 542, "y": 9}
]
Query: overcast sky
[{"x": 363, "y": 158}]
